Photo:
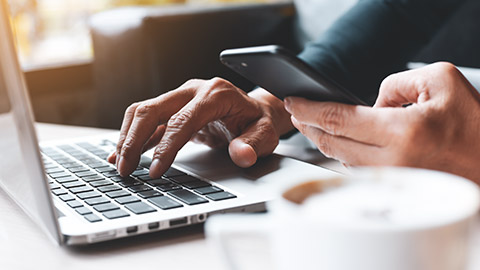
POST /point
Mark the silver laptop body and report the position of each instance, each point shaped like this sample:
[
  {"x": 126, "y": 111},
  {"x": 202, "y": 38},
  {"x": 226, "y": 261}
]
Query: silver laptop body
[{"x": 36, "y": 177}]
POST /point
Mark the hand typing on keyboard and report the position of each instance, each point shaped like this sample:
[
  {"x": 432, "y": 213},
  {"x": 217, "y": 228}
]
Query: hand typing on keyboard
[{"x": 213, "y": 112}]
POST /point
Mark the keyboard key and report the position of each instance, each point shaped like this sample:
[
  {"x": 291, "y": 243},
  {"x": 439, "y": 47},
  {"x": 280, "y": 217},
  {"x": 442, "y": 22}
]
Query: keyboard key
[
  {"x": 128, "y": 199},
  {"x": 92, "y": 218},
  {"x": 116, "y": 194},
  {"x": 109, "y": 188},
  {"x": 96, "y": 164},
  {"x": 139, "y": 188},
  {"x": 59, "y": 191},
  {"x": 115, "y": 214},
  {"x": 145, "y": 177},
  {"x": 83, "y": 210},
  {"x": 50, "y": 166},
  {"x": 187, "y": 197},
  {"x": 78, "y": 169},
  {"x": 70, "y": 165},
  {"x": 221, "y": 196},
  {"x": 84, "y": 174},
  {"x": 111, "y": 174},
  {"x": 88, "y": 195},
  {"x": 66, "y": 197},
  {"x": 171, "y": 172},
  {"x": 164, "y": 202},
  {"x": 81, "y": 189},
  {"x": 105, "y": 207},
  {"x": 59, "y": 174},
  {"x": 73, "y": 184},
  {"x": 54, "y": 185},
  {"x": 66, "y": 179},
  {"x": 101, "y": 183},
  {"x": 140, "y": 208},
  {"x": 54, "y": 170},
  {"x": 140, "y": 172},
  {"x": 149, "y": 194},
  {"x": 92, "y": 178},
  {"x": 184, "y": 179},
  {"x": 119, "y": 178},
  {"x": 169, "y": 187},
  {"x": 196, "y": 184},
  {"x": 207, "y": 190},
  {"x": 62, "y": 160},
  {"x": 97, "y": 200},
  {"x": 74, "y": 204},
  {"x": 158, "y": 182},
  {"x": 129, "y": 183},
  {"x": 105, "y": 169}
]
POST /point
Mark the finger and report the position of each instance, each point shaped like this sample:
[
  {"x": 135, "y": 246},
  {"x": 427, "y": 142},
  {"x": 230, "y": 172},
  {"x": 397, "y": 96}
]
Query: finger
[
  {"x": 112, "y": 158},
  {"x": 154, "y": 139},
  {"x": 148, "y": 116},
  {"x": 182, "y": 126},
  {"x": 341, "y": 148},
  {"x": 360, "y": 123},
  {"x": 415, "y": 86},
  {"x": 258, "y": 140},
  {"x": 127, "y": 122},
  {"x": 214, "y": 135}
]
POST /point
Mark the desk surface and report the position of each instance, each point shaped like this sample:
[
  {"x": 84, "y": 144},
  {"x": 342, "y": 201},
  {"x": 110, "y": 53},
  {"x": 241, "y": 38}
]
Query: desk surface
[{"x": 24, "y": 246}]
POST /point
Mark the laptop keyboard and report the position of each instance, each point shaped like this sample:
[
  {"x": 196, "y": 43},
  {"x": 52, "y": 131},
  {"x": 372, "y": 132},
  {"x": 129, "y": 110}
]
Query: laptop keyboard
[{"x": 80, "y": 176}]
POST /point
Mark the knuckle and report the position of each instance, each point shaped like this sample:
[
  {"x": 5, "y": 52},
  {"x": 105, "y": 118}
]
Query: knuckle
[
  {"x": 324, "y": 146},
  {"x": 144, "y": 110},
  {"x": 446, "y": 68},
  {"x": 127, "y": 147},
  {"x": 131, "y": 109},
  {"x": 159, "y": 150},
  {"x": 180, "y": 120},
  {"x": 191, "y": 83},
  {"x": 218, "y": 82},
  {"x": 332, "y": 119},
  {"x": 388, "y": 81}
]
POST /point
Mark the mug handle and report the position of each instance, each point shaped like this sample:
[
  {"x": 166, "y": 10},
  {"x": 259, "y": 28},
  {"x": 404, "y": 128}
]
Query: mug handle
[{"x": 223, "y": 230}]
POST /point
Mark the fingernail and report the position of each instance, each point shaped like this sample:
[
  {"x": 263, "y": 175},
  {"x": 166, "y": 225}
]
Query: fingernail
[
  {"x": 294, "y": 120},
  {"x": 119, "y": 163},
  {"x": 116, "y": 160},
  {"x": 288, "y": 103}
]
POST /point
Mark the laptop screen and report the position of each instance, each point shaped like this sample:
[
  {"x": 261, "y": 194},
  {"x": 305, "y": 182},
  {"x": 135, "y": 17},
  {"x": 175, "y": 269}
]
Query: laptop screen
[{"x": 21, "y": 171}]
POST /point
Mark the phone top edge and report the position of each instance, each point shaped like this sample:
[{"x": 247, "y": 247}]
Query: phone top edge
[
  {"x": 289, "y": 57},
  {"x": 252, "y": 50}
]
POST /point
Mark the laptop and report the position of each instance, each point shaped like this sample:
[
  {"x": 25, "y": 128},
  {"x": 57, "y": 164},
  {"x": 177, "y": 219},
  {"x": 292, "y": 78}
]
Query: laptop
[{"x": 77, "y": 197}]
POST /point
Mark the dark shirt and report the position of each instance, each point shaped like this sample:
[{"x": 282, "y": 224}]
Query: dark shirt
[{"x": 376, "y": 38}]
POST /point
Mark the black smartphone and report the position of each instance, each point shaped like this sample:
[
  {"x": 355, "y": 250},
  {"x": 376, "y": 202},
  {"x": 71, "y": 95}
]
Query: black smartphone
[{"x": 284, "y": 74}]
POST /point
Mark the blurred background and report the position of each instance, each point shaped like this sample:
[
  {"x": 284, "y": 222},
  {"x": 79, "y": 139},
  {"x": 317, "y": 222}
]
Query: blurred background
[
  {"x": 51, "y": 32},
  {"x": 85, "y": 61}
]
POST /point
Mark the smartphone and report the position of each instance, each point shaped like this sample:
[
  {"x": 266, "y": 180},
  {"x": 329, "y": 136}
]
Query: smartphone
[{"x": 284, "y": 74}]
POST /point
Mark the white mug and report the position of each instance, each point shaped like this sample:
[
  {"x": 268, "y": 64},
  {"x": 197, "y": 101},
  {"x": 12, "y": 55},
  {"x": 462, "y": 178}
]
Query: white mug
[{"x": 377, "y": 219}]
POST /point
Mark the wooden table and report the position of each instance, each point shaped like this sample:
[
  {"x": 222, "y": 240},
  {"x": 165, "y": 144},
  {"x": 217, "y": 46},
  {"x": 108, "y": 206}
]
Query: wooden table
[{"x": 24, "y": 246}]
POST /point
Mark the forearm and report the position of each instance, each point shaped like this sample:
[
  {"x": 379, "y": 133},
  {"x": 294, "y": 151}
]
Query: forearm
[{"x": 376, "y": 38}]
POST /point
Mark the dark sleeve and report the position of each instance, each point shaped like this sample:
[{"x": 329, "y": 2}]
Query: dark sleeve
[{"x": 374, "y": 39}]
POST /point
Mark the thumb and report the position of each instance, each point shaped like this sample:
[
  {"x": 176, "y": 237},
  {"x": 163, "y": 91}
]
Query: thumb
[
  {"x": 259, "y": 139},
  {"x": 403, "y": 88}
]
